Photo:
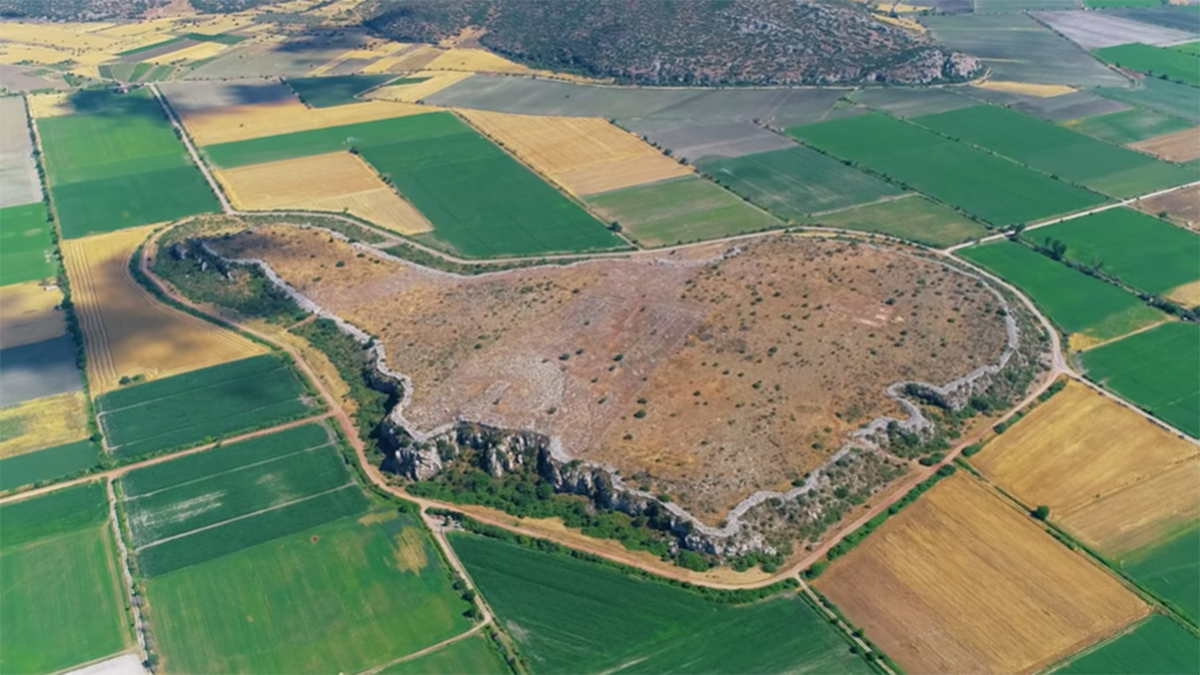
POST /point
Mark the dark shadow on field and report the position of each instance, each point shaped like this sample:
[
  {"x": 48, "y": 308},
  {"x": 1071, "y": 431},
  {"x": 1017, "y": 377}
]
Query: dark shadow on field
[
  {"x": 257, "y": 94},
  {"x": 39, "y": 369},
  {"x": 114, "y": 103},
  {"x": 322, "y": 40}
]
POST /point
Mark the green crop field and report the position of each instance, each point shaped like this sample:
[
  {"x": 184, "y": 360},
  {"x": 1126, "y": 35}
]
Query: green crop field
[
  {"x": 25, "y": 245},
  {"x": 1168, "y": 98},
  {"x": 1189, "y": 48},
  {"x": 470, "y": 656},
  {"x": 1157, "y": 646},
  {"x": 984, "y": 185},
  {"x": 48, "y": 464},
  {"x": 162, "y": 415},
  {"x": 913, "y": 217},
  {"x": 1155, "y": 369},
  {"x": 1154, "y": 61},
  {"x": 326, "y": 92},
  {"x": 794, "y": 183},
  {"x": 688, "y": 208},
  {"x": 59, "y": 589},
  {"x": 116, "y": 163},
  {"x": 1076, "y": 302},
  {"x": 1127, "y": 126},
  {"x": 346, "y": 596},
  {"x": 1172, "y": 570},
  {"x": 1105, "y": 4},
  {"x": 1058, "y": 151},
  {"x": 569, "y": 615},
  {"x": 1142, "y": 251}
]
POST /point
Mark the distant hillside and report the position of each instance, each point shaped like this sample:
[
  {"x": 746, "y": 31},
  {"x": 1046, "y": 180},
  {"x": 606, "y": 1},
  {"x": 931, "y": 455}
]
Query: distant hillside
[
  {"x": 680, "y": 42},
  {"x": 93, "y": 10}
]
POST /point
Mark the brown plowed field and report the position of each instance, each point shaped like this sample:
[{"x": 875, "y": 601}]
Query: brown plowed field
[
  {"x": 1181, "y": 206},
  {"x": 959, "y": 582},
  {"x": 337, "y": 181},
  {"x": 584, "y": 155},
  {"x": 129, "y": 332},
  {"x": 1179, "y": 146},
  {"x": 29, "y": 313},
  {"x": 704, "y": 378}
]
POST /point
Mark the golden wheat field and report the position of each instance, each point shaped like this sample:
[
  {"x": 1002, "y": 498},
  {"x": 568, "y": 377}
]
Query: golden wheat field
[
  {"x": 43, "y": 423},
  {"x": 29, "y": 313},
  {"x": 128, "y": 331},
  {"x": 337, "y": 181},
  {"x": 42, "y": 106},
  {"x": 415, "y": 91},
  {"x": 584, "y": 155},
  {"x": 475, "y": 61},
  {"x": 960, "y": 582},
  {"x": 1077, "y": 447},
  {"x": 1027, "y": 88},
  {"x": 1179, "y": 146},
  {"x": 1187, "y": 295},
  {"x": 239, "y": 123}
]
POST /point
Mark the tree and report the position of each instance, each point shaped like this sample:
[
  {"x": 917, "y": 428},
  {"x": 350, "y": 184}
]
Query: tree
[
  {"x": 1016, "y": 231},
  {"x": 1042, "y": 512}
]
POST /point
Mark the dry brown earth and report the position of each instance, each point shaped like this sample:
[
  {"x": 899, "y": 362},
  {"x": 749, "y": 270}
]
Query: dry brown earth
[
  {"x": 1180, "y": 146},
  {"x": 960, "y": 582},
  {"x": 704, "y": 378},
  {"x": 1181, "y": 206}
]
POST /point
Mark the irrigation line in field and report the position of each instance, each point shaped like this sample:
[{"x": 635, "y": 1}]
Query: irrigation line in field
[{"x": 227, "y": 471}]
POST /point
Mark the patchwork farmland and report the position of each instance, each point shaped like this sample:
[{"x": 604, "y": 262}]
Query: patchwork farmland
[
  {"x": 1157, "y": 645},
  {"x": 911, "y": 217},
  {"x": 326, "y": 92},
  {"x": 1129, "y": 126},
  {"x": 239, "y": 396},
  {"x": 1155, "y": 61}
]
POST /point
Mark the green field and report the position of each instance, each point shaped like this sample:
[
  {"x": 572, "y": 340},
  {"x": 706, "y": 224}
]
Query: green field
[
  {"x": 25, "y": 244},
  {"x": 963, "y": 177},
  {"x": 1076, "y": 302},
  {"x": 326, "y": 92},
  {"x": 1156, "y": 370},
  {"x": 1157, "y": 646},
  {"x": 1142, "y": 251},
  {"x": 1189, "y": 48},
  {"x": 48, "y": 464},
  {"x": 116, "y": 163},
  {"x": 569, "y": 615},
  {"x": 146, "y": 48},
  {"x": 349, "y": 595},
  {"x": 913, "y": 217},
  {"x": 1058, "y": 151},
  {"x": 1172, "y": 570},
  {"x": 162, "y": 415},
  {"x": 470, "y": 656},
  {"x": 1127, "y": 126},
  {"x": 682, "y": 209},
  {"x": 1105, "y": 4},
  {"x": 1168, "y": 98},
  {"x": 1154, "y": 61},
  {"x": 794, "y": 183},
  {"x": 59, "y": 589}
]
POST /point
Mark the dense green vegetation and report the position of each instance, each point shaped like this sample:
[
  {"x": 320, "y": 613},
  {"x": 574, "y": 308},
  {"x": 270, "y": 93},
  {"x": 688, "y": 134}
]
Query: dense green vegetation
[
  {"x": 162, "y": 415},
  {"x": 59, "y": 588},
  {"x": 325, "y": 92},
  {"x": 472, "y": 656},
  {"x": 343, "y": 597},
  {"x": 48, "y": 464},
  {"x": 682, "y": 209},
  {"x": 1172, "y": 570},
  {"x": 794, "y": 183},
  {"x": 1076, "y": 302},
  {"x": 1170, "y": 64},
  {"x": 1141, "y": 251},
  {"x": 569, "y": 614},
  {"x": 1058, "y": 151},
  {"x": 1127, "y": 126},
  {"x": 1168, "y": 98},
  {"x": 913, "y": 217},
  {"x": 26, "y": 250},
  {"x": 989, "y": 187},
  {"x": 1156, "y": 370},
  {"x": 117, "y": 163},
  {"x": 1157, "y": 646}
]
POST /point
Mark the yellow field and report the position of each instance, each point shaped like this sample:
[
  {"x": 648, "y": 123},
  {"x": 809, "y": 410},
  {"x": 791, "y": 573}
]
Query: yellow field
[
  {"x": 1076, "y": 447},
  {"x": 239, "y": 123},
  {"x": 128, "y": 331},
  {"x": 1027, "y": 88},
  {"x": 584, "y": 155},
  {"x": 411, "y": 93},
  {"x": 75, "y": 36},
  {"x": 204, "y": 50},
  {"x": 959, "y": 582},
  {"x": 15, "y": 53},
  {"x": 42, "y": 106},
  {"x": 1187, "y": 295},
  {"x": 900, "y": 21},
  {"x": 44, "y": 423},
  {"x": 475, "y": 61},
  {"x": 1180, "y": 146},
  {"x": 28, "y": 314},
  {"x": 410, "y": 60},
  {"x": 338, "y": 181}
]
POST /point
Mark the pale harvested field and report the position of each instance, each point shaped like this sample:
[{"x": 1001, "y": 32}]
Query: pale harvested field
[
  {"x": 239, "y": 123},
  {"x": 1180, "y": 146},
  {"x": 18, "y": 53},
  {"x": 337, "y": 182},
  {"x": 44, "y": 423},
  {"x": 1181, "y": 206},
  {"x": 959, "y": 582},
  {"x": 1187, "y": 295},
  {"x": 741, "y": 386},
  {"x": 76, "y": 36},
  {"x": 411, "y": 93},
  {"x": 584, "y": 155},
  {"x": 1077, "y": 447},
  {"x": 475, "y": 61},
  {"x": 29, "y": 313},
  {"x": 128, "y": 331},
  {"x": 42, "y": 106},
  {"x": 1027, "y": 88}
]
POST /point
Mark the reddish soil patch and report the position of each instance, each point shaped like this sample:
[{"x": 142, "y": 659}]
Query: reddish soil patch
[{"x": 1181, "y": 206}]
